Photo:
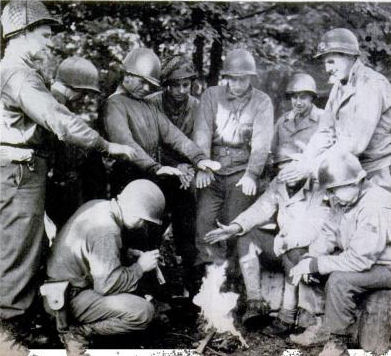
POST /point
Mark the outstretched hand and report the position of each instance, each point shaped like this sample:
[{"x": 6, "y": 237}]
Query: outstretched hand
[
  {"x": 121, "y": 151},
  {"x": 248, "y": 184},
  {"x": 207, "y": 164},
  {"x": 224, "y": 232},
  {"x": 204, "y": 179},
  {"x": 169, "y": 171}
]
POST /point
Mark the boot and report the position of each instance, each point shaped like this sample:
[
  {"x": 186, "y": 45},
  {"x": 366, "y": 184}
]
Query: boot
[
  {"x": 278, "y": 327},
  {"x": 9, "y": 345},
  {"x": 75, "y": 342},
  {"x": 256, "y": 309},
  {"x": 336, "y": 346},
  {"x": 312, "y": 336}
]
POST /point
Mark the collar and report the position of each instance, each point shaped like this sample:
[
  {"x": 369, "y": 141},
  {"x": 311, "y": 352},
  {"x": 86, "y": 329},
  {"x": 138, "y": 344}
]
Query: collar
[
  {"x": 116, "y": 212},
  {"x": 301, "y": 194}
]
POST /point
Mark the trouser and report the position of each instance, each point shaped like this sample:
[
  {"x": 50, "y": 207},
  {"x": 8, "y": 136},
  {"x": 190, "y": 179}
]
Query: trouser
[
  {"x": 221, "y": 201},
  {"x": 22, "y": 239},
  {"x": 381, "y": 177},
  {"x": 111, "y": 314},
  {"x": 255, "y": 249},
  {"x": 343, "y": 289}
]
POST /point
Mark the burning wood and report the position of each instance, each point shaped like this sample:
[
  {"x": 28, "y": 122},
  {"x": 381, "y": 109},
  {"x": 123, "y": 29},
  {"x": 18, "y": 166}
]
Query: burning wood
[{"x": 216, "y": 306}]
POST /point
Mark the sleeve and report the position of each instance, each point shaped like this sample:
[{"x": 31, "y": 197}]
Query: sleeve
[
  {"x": 360, "y": 255},
  {"x": 261, "y": 139},
  {"x": 40, "y": 106},
  {"x": 177, "y": 140},
  {"x": 326, "y": 242},
  {"x": 117, "y": 129},
  {"x": 204, "y": 123},
  {"x": 276, "y": 138},
  {"x": 261, "y": 211},
  {"x": 367, "y": 109},
  {"x": 109, "y": 277}
]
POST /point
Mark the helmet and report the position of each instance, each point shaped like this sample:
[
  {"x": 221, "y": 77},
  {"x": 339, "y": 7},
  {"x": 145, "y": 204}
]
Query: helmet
[
  {"x": 177, "y": 67},
  {"x": 338, "y": 40},
  {"x": 143, "y": 62},
  {"x": 78, "y": 73},
  {"x": 301, "y": 82},
  {"x": 339, "y": 168},
  {"x": 144, "y": 199},
  {"x": 19, "y": 15},
  {"x": 239, "y": 62}
]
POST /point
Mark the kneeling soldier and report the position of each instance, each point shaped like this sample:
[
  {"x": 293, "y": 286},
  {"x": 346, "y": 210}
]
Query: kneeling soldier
[{"x": 86, "y": 253}]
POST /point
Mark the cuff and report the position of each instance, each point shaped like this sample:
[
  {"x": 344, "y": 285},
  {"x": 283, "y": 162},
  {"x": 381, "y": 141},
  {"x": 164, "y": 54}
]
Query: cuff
[
  {"x": 314, "y": 265},
  {"x": 154, "y": 168},
  {"x": 102, "y": 145},
  {"x": 252, "y": 175},
  {"x": 138, "y": 271}
]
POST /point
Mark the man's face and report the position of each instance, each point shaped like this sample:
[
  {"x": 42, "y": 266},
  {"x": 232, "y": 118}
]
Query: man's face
[
  {"x": 338, "y": 66},
  {"x": 39, "y": 41},
  {"x": 301, "y": 102},
  {"x": 179, "y": 89},
  {"x": 344, "y": 196},
  {"x": 238, "y": 85},
  {"x": 138, "y": 87}
]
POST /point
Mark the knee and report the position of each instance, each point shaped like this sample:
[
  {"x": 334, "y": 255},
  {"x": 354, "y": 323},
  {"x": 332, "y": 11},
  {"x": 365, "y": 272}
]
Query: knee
[
  {"x": 337, "y": 282},
  {"x": 243, "y": 245}
]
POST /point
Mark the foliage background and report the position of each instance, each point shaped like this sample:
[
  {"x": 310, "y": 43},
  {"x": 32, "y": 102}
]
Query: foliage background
[{"x": 282, "y": 35}]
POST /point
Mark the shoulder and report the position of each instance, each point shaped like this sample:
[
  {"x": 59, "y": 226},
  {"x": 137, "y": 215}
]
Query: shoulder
[
  {"x": 155, "y": 98},
  {"x": 261, "y": 97},
  {"x": 367, "y": 76},
  {"x": 15, "y": 77}
]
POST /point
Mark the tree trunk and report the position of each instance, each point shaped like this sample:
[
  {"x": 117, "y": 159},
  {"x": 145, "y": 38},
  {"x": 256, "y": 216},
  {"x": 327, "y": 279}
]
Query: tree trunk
[
  {"x": 375, "y": 322},
  {"x": 215, "y": 62}
]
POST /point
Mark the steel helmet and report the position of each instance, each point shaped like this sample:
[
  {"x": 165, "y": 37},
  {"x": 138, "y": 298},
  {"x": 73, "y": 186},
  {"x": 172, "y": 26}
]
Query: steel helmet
[
  {"x": 239, "y": 62},
  {"x": 19, "y": 15},
  {"x": 339, "y": 168},
  {"x": 338, "y": 40},
  {"x": 177, "y": 67},
  {"x": 301, "y": 82},
  {"x": 144, "y": 199},
  {"x": 78, "y": 73},
  {"x": 143, "y": 62}
]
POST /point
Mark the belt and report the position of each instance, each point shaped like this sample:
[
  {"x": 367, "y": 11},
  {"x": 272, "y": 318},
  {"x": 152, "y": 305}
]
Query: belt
[{"x": 230, "y": 151}]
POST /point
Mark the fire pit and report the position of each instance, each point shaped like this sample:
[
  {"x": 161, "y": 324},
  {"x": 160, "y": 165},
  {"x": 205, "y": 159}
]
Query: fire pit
[{"x": 216, "y": 311}]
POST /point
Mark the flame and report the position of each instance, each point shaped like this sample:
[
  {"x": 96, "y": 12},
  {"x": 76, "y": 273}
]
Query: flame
[{"x": 216, "y": 307}]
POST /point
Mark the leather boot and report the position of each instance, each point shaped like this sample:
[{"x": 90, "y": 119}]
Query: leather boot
[{"x": 75, "y": 341}]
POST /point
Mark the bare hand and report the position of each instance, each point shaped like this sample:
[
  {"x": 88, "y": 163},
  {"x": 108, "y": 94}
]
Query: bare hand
[
  {"x": 188, "y": 175},
  {"x": 249, "y": 186},
  {"x": 121, "y": 151},
  {"x": 293, "y": 172},
  {"x": 224, "y": 232},
  {"x": 203, "y": 179},
  {"x": 169, "y": 171},
  {"x": 148, "y": 260},
  {"x": 207, "y": 164},
  {"x": 300, "y": 270}
]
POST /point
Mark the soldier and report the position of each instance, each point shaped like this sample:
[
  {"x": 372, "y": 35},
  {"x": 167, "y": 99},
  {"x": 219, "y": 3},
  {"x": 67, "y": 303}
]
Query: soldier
[
  {"x": 233, "y": 125},
  {"x": 294, "y": 129},
  {"x": 76, "y": 175},
  {"x": 130, "y": 119},
  {"x": 29, "y": 112},
  {"x": 300, "y": 213},
  {"x": 87, "y": 253},
  {"x": 179, "y": 105},
  {"x": 361, "y": 233},
  {"x": 358, "y": 112}
]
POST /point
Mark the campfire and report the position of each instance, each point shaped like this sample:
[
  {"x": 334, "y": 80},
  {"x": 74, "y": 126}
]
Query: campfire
[{"x": 216, "y": 306}]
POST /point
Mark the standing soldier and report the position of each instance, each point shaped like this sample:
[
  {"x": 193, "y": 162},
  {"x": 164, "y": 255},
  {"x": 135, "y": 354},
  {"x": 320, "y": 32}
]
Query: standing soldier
[
  {"x": 234, "y": 126},
  {"x": 358, "y": 112},
  {"x": 132, "y": 120},
  {"x": 179, "y": 105},
  {"x": 77, "y": 175},
  {"x": 295, "y": 128},
  {"x": 29, "y": 111}
]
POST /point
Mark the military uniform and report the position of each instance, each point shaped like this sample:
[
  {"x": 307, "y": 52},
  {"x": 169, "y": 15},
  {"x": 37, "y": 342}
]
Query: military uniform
[
  {"x": 362, "y": 233},
  {"x": 87, "y": 253},
  {"x": 29, "y": 112},
  {"x": 141, "y": 124},
  {"x": 237, "y": 132},
  {"x": 359, "y": 115}
]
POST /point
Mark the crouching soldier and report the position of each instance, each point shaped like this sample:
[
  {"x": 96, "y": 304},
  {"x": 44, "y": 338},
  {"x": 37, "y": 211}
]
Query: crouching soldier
[
  {"x": 300, "y": 214},
  {"x": 87, "y": 252},
  {"x": 294, "y": 128},
  {"x": 362, "y": 230}
]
